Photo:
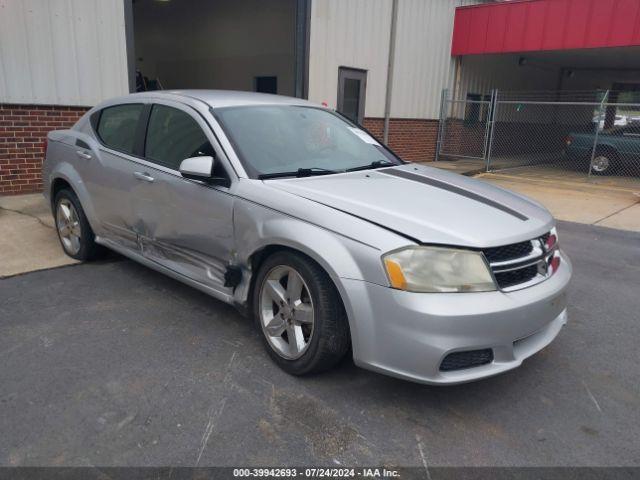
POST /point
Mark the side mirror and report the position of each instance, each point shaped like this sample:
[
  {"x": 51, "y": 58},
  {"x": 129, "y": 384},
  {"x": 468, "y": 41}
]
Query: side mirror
[{"x": 197, "y": 168}]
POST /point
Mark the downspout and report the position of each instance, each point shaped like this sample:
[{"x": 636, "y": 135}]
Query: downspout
[
  {"x": 301, "y": 48},
  {"x": 392, "y": 54},
  {"x": 456, "y": 77},
  {"x": 129, "y": 45}
]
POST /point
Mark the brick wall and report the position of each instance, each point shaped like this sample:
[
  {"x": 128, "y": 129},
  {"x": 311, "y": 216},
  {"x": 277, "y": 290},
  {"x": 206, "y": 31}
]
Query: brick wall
[
  {"x": 413, "y": 140},
  {"x": 23, "y": 129}
]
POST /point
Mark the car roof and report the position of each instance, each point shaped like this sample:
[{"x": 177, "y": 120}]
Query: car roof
[{"x": 216, "y": 98}]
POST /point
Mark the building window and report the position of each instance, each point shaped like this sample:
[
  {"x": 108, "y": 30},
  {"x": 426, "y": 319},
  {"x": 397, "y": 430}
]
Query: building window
[
  {"x": 266, "y": 84},
  {"x": 476, "y": 108},
  {"x": 352, "y": 84},
  {"x": 473, "y": 109}
]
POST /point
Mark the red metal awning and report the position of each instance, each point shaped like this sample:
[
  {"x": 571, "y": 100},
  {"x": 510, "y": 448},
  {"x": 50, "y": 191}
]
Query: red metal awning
[{"x": 535, "y": 25}]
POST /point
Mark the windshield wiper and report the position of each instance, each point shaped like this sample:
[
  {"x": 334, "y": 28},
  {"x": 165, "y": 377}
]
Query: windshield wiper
[
  {"x": 301, "y": 172},
  {"x": 308, "y": 172},
  {"x": 372, "y": 165}
]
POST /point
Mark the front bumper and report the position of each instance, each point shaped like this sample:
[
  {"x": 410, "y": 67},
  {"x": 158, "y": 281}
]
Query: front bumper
[{"x": 407, "y": 335}]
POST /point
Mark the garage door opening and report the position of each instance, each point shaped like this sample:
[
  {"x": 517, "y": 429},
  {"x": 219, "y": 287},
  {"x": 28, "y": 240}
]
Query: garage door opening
[{"x": 249, "y": 45}]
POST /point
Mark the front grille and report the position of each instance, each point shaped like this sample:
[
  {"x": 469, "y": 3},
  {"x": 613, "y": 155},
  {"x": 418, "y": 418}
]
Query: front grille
[
  {"x": 469, "y": 359},
  {"x": 520, "y": 263},
  {"x": 508, "y": 252},
  {"x": 514, "y": 277}
]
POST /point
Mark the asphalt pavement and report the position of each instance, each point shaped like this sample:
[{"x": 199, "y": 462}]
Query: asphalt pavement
[{"x": 111, "y": 363}]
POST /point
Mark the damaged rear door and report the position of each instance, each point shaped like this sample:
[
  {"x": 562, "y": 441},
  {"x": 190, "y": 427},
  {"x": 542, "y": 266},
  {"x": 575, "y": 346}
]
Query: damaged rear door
[{"x": 184, "y": 225}]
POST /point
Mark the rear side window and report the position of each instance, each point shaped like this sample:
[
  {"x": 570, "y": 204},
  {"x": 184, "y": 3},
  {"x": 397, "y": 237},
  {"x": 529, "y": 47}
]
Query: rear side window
[
  {"x": 117, "y": 126},
  {"x": 172, "y": 136}
]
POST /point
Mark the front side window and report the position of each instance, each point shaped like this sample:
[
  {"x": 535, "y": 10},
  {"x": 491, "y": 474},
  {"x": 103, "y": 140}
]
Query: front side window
[
  {"x": 172, "y": 136},
  {"x": 117, "y": 126},
  {"x": 273, "y": 139}
]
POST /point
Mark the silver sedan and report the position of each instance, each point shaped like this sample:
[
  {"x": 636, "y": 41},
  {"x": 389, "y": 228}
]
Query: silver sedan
[{"x": 305, "y": 222}]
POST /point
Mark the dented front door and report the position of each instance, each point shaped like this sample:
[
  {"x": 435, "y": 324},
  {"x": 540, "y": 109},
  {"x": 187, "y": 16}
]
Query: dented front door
[
  {"x": 182, "y": 224},
  {"x": 187, "y": 227}
]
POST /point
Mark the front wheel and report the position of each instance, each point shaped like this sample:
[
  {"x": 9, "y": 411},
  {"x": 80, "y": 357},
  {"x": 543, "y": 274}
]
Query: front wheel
[{"x": 300, "y": 314}]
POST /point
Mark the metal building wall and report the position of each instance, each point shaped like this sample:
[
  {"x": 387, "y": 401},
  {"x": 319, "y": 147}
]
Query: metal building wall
[
  {"x": 62, "y": 52},
  {"x": 355, "y": 33},
  {"x": 423, "y": 63},
  {"x": 352, "y": 33}
]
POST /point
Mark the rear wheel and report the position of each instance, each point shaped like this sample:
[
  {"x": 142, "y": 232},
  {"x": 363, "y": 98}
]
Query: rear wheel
[
  {"x": 300, "y": 314},
  {"x": 75, "y": 233}
]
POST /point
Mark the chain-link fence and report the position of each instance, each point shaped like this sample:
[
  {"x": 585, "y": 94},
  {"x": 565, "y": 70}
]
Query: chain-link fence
[
  {"x": 595, "y": 133},
  {"x": 464, "y": 127}
]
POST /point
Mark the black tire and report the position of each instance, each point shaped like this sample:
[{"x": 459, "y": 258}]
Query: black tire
[
  {"x": 330, "y": 340},
  {"x": 89, "y": 249}
]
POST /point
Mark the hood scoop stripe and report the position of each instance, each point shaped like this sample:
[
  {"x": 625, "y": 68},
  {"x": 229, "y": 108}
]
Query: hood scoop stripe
[{"x": 454, "y": 189}]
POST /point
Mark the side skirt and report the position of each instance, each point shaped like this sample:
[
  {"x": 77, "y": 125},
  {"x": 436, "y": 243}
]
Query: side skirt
[{"x": 225, "y": 297}]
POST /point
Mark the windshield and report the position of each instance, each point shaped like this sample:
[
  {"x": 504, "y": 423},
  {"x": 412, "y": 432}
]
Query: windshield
[{"x": 274, "y": 139}]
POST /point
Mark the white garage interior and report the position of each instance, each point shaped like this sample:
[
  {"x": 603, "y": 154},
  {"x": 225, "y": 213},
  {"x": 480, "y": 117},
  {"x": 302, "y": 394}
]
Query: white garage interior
[{"x": 251, "y": 45}]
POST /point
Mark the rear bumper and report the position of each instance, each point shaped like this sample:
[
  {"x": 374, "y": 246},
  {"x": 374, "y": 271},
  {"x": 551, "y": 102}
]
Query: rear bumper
[{"x": 407, "y": 335}]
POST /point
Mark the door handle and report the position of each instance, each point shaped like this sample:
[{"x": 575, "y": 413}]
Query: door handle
[
  {"x": 84, "y": 155},
  {"x": 145, "y": 177}
]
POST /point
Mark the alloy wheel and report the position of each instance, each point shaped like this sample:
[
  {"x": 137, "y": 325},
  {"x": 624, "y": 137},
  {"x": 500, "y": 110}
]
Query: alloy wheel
[
  {"x": 68, "y": 225},
  {"x": 286, "y": 312}
]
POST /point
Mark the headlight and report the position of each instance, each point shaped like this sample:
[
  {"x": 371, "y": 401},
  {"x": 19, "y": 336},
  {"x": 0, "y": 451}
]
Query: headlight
[
  {"x": 434, "y": 269},
  {"x": 552, "y": 239}
]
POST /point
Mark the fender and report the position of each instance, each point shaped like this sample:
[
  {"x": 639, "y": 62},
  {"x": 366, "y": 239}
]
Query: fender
[
  {"x": 66, "y": 171},
  {"x": 339, "y": 256},
  {"x": 59, "y": 163}
]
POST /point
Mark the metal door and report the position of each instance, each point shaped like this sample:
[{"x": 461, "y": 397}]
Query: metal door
[
  {"x": 110, "y": 181},
  {"x": 182, "y": 224},
  {"x": 352, "y": 84}
]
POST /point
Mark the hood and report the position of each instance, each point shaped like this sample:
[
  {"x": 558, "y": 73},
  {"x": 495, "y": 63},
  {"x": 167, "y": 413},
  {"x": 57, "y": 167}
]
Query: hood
[{"x": 427, "y": 205}]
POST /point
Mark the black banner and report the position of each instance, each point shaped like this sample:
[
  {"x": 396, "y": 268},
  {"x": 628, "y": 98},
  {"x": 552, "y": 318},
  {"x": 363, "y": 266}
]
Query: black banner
[{"x": 206, "y": 473}]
